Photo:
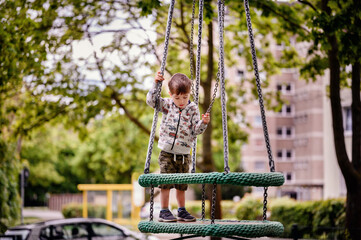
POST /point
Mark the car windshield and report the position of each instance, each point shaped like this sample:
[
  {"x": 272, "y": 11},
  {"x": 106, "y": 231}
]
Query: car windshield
[{"x": 22, "y": 232}]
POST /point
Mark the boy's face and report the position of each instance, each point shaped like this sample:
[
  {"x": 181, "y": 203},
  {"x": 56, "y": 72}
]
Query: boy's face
[{"x": 180, "y": 100}]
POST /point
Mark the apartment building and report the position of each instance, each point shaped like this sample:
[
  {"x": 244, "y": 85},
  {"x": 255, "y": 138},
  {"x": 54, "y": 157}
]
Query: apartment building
[{"x": 300, "y": 137}]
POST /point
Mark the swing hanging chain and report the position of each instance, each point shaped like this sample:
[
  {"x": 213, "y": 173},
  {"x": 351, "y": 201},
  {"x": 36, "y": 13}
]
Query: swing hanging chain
[
  {"x": 223, "y": 84},
  {"x": 199, "y": 46},
  {"x": 214, "y": 196},
  {"x": 265, "y": 195},
  {"x": 158, "y": 89},
  {"x": 203, "y": 201},
  {"x": 151, "y": 207},
  {"x": 196, "y": 93},
  {"x": 221, "y": 56},
  {"x": 259, "y": 90},
  {"x": 191, "y": 46}
]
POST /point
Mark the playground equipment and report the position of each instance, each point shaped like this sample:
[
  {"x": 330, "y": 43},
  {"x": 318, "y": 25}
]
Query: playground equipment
[
  {"x": 121, "y": 199},
  {"x": 221, "y": 228}
]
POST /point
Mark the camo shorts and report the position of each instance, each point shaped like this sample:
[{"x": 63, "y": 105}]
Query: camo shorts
[{"x": 168, "y": 164}]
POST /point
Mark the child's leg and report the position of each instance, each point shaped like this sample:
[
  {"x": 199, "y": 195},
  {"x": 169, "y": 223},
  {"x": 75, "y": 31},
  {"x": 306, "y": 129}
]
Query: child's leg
[
  {"x": 183, "y": 215},
  {"x": 180, "y": 198},
  {"x": 164, "y": 198},
  {"x": 165, "y": 214}
]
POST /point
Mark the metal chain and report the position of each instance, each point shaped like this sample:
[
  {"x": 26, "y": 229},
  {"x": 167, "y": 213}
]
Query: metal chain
[
  {"x": 151, "y": 208},
  {"x": 191, "y": 46},
  {"x": 265, "y": 195},
  {"x": 203, "y": 201},
  {"x": 223, "y": 84},
  {"x": 261, "y": 105},
  {"x": 158, "y": 89},
  {"x": 220, "y": 21},
  {"x": 198, "y": 70},
  {"x": 214, "y": 196},
  {"x": 259, "y": 90}
]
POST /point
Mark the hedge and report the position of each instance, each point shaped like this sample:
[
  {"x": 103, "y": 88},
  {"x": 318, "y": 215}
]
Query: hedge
[{"x": 73, "y": 210}]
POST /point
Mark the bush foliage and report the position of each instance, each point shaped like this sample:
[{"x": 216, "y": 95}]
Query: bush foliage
[
  {"x": 73, "y": 210},
  {"x": 323, "y": 219}
]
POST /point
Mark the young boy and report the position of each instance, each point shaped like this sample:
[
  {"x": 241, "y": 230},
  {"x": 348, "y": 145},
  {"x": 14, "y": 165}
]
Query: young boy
[{"x": 179, "y": 127}]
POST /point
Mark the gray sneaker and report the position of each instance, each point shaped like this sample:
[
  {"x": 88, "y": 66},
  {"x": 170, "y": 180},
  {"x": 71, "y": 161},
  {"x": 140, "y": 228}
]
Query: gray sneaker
[
  {"x": 166, "y": 216},
  {"x": 185, "y": 216}
]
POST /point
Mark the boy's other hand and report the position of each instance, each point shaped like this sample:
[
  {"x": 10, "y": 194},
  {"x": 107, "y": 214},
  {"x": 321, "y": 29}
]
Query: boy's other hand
[
  {"x": 206, "y": 118},
  {"x": 159, "y": 77}
]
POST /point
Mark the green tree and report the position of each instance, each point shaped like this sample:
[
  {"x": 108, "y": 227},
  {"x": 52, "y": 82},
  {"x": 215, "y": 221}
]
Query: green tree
[
  {"x": 23, "y": 50},
  {"x": 336, "y": 38},
  {"x": 332, "y": 29}
]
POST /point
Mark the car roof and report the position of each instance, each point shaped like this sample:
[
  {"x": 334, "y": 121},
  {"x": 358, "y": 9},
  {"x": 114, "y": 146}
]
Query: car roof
[{"x": 62, "y": 221}]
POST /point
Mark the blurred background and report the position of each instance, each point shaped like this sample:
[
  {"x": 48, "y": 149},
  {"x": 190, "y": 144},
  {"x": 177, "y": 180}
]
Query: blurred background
[{"x": 74, "y": 125}]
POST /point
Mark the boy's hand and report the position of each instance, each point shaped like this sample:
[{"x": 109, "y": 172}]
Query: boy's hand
[
  {"x": 159, "y": 77},
  {"x": 206, "y": 118}
]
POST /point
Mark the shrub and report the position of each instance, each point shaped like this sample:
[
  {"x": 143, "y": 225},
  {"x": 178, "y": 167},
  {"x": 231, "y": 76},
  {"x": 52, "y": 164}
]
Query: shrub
[
  {"x": 249, "y": 209},
  {"x": 73, "y": 210},
  {"x": 314, "y": 219},
  {"x": 329, "y": 214}
]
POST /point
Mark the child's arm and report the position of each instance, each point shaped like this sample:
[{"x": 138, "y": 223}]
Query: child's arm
[
  {"x": 152, "y": 94},
  {"x": 199, "y": 126}
]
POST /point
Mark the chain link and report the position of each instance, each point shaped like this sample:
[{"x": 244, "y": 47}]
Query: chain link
[
  {"x": 151, "y": 207},
  {"x": 223, "y": 84},
  {"x": 260, "y": 98},
  {"x": 198, "y": 69},
  {"x": 158, "y": 89},
  {"x": 203, "y": 201},
  {"x": 221, "y": 53},
  {"x": 259, "y": 90},
  {"x": 191, "y": 46},
  {"x": 265, "y": 195},
  {"x": 214, "y": 196}
]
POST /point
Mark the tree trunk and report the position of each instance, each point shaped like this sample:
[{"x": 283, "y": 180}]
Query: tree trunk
[
  {"x": 208, "y": 162},
  {"x": 350, "y": 171},
  {"x": 353, "y": 207}
]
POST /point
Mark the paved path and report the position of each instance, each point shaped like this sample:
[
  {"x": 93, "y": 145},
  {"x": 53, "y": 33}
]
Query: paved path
[{"x": 42, "y": 213}]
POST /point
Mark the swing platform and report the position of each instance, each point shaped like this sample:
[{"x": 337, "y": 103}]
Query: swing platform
[
  {"x": 232, "y": 178},
  {"x": 220, "y": 228}
]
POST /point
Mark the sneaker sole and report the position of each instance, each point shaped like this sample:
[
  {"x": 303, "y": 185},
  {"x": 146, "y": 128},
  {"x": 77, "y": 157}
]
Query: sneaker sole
[
  {"x": 186, "y": 220},
  {"x": 165, "y": 220}
]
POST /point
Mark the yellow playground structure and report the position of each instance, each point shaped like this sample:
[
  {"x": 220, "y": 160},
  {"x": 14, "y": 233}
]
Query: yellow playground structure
[{"x": 123, "y": 201}]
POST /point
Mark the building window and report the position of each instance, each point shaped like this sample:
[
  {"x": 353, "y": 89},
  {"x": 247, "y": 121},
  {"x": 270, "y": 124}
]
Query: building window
[
  {"x": 289, "y": 176},
  {"x": 286, "y": 110},
  {"x": 301, "y": 142},
  {"x": 257, "y": 122},
  {"x": 240, "y": 75},
  {"x": 259, "y": 166},
  {"x": 285, "y": 132},
  {"x": 285, "y": 154},
  {"x": 347, "y": 120},
  {"x": 301, "y": 118},
  {"x": 285, "y": 88},
  {"x": 259, "y": 144},
  {"x": 288, "y": 154}
]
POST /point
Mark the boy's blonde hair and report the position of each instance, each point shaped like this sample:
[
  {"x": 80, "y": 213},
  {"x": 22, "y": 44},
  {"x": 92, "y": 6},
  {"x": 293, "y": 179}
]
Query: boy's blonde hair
[{"x": 179, "y": 83}]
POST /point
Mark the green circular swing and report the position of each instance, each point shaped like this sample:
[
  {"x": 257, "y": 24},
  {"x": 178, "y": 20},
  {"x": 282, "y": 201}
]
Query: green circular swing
[{"x": 213, "y": 227}]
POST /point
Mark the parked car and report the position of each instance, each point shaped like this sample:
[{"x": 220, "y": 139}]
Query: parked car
[{"x": 76, "y": 228}]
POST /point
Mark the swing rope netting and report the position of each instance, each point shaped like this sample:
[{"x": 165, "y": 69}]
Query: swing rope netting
[{"x": 203, "y": 227}]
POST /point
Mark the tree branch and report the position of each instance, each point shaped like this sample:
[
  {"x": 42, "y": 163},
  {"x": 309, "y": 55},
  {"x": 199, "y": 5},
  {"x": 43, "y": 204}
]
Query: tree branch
[
  {"x": 309, "y": 4},
  {"x": 115, "y": 95},
  {"x": 284, "y": 17}
]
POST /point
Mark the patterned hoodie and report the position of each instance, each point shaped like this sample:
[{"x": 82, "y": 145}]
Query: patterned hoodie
[{"x": 179, "y": 127}]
